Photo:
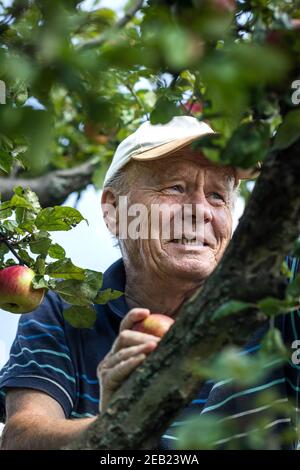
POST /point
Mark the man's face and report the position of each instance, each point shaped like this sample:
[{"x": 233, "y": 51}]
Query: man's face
[{"x": 186, "y": 180}]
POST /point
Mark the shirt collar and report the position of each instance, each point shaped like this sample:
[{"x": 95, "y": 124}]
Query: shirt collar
[{"x": 115, "y": 278}]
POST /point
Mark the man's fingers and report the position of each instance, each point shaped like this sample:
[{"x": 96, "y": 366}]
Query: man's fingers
[
  {"x": 129, "y": 338},
  {"x": 133, "y": 316},
  {"x": 124, "y": 354},
  {"x": 119, "y": 373}
]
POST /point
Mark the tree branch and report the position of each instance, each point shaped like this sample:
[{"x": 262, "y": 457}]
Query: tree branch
[
  {"x": 150, "y": 399},
  {"x": 9, "y": 245},
  {"x": 54, "y": 187},
  {"x": 122, "y": 22}
]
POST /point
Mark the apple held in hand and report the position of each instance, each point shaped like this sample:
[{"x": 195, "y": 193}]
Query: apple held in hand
[
  {"x": 16, "y": 292},
  {"x": 155, "y": 324}
]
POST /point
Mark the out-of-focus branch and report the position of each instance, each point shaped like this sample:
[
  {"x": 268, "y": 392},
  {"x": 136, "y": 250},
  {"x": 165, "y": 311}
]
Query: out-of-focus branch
[{"x": 54, "y": 187}]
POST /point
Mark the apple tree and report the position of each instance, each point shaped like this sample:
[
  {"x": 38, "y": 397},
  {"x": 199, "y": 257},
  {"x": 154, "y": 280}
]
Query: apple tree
[{"x": 77, "y": 82}]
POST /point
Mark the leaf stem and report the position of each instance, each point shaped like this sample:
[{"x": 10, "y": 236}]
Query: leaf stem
[{"x": 4, "y": 240}]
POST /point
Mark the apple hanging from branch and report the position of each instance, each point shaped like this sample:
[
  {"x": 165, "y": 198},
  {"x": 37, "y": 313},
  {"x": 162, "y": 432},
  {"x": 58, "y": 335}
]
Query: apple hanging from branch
[{"x": 16, "y": 292}]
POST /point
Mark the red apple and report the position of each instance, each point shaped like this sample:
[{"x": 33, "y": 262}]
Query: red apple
[
  {"x": 16, "y": 292},
  {"x": 193, "y": 108},
  {"x": 281, "y": 38},
  {"x": 155, "y": 324},
  {"x": 224, "y": 6},
  {"x": 92, "y": 132}
]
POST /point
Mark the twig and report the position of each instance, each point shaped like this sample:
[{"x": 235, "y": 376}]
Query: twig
[
  {"x": 140, "y": 104},
  {"x": 122, "y": 22},
  {"x": 13, "y": 243},
  {"x": 4, "y": 240}
]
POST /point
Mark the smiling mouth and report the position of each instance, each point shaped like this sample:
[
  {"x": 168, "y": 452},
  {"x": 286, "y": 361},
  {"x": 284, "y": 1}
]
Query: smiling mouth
[{"x": 186, "y": 241}]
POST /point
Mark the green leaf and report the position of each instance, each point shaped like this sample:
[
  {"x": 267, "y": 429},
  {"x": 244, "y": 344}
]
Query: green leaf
[
  {"x": 80, "y": 292},
  {"x": 11, "y": 227},
  {"x": 248, "y": 145},
  {"x": 103, "y": 16},
  {"x": 293, "y": 289},
  {"x": 106, "y": 295},
  {"x": 5, "y": 213},
  {"x": 233, "y": 306},
  {"x": 56, "y": 251},
  {"x": 65, "y": 269},
  {"x": 19, "y": 190},
  {"x": 28, "y": 225},
  {"x": 58, "y": 218},
  {"x": 270, "y": 306},
  {"x": 80, "y": 317},
  {"x": 272, "y": 343},
  {"x": 40, "y": 243},
  {"x": 16, "y": 201},
  {"x": 24, "y": 256},
  {"x": 39, "y": 282},
  {"x": 3, "y": 251},
  {"x": 30, "y": 197},
  {"x": 296, "y": 249},
  {"x": 94, "y": 279},
  {"x": 164, "y": 111},
  {"x": 285, "y": 271},
  {"x": 202, "y": 432},
  {"x": 40, "y": 265},
  {"x": 6, "y": 161},
  {"x": 75, "y": 292},
  {"x": 288, "y": 132}
]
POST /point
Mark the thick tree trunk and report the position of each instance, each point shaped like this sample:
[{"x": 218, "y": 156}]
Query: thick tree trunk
[{"x": 151, "y": 398}]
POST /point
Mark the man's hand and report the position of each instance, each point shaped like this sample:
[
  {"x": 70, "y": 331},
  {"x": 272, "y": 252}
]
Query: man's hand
[{"x": 128, "y": 351}]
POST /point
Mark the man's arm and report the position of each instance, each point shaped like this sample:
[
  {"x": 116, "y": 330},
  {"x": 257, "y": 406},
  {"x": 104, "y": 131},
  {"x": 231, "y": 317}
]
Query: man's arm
[{"x": 37, "y": 421}]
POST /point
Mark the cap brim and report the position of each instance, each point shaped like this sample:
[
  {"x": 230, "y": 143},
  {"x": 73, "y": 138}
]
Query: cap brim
[{"x": 164, "y": 150}]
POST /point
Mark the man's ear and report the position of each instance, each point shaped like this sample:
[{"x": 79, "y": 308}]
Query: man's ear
[{"x": 109, "y": 206}]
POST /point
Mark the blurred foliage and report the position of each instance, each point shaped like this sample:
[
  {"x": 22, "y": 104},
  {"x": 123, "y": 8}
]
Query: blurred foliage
[
  {"x": 240, "y": 372},
  {"x": 78, "y": 82}
]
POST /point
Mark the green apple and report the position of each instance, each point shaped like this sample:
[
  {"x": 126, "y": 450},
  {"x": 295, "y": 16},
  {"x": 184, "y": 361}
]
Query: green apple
[
  {"x": 155, "y": 324},
  {"x": 16, "y": 292}
]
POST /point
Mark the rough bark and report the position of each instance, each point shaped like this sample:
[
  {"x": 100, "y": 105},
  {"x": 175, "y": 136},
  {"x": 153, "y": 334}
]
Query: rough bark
[
  {"x": 54, "y": 187},
  {"x": 150, "y": 399}
]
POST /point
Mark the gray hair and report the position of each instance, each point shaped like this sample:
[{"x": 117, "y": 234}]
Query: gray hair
[{"x": 120, "y": 183}]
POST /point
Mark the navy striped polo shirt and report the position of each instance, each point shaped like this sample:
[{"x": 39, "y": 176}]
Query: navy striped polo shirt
[{"x": 49, "y": 355}]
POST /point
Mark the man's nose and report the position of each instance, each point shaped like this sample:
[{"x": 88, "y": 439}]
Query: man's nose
[{"x": 201, "y": 208}]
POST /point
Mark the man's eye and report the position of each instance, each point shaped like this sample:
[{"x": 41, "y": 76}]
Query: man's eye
[
  {"x": 177, "y": 187},
  {"x": 217, "y": 196}
]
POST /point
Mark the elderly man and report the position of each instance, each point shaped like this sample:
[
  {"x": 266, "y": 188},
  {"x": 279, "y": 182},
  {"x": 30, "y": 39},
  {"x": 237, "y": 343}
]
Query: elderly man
[{"x": 59, "y": 378}]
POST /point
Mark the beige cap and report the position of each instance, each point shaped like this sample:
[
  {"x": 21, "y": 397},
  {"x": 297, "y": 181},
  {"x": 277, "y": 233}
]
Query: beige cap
[{"x": 150, "y": 142}]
